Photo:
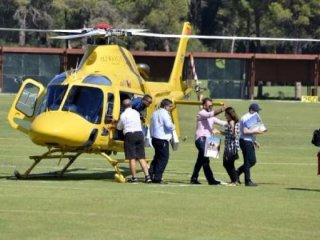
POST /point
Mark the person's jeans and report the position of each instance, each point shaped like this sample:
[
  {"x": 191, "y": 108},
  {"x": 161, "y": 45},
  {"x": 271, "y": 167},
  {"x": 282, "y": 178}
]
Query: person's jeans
[
  {"x": 160, "y": 159},
  {"x": 202, "y": 161},
  {"x": 230, "y": 168},
  {"x": 249, "y": 158}
]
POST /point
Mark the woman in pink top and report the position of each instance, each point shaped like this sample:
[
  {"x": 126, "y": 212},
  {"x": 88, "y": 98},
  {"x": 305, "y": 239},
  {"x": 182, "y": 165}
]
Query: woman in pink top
[{"x": 205, "y": 127}]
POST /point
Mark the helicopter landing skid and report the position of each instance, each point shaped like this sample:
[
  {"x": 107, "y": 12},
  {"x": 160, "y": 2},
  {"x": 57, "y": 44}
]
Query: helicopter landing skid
[
  {"x": 48, "y": 155},
  {"x": 118, "y": 177}
]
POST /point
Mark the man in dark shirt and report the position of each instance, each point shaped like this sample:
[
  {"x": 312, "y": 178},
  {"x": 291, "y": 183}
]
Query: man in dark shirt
[{"x": 140, "y": 104}]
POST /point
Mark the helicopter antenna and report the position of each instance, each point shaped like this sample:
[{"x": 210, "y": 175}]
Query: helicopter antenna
[
  {"x": 198, "y": 89},
  {"x": 77, "y": 65}
]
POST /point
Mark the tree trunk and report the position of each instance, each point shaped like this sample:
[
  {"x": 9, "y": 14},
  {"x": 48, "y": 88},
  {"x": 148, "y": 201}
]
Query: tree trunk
[{"x": 21, "y": 16}]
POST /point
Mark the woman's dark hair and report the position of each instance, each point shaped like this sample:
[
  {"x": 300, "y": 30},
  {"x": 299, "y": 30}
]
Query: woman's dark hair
[
  {"x": 232, "y": 113},
  {"x": 165, "y": 102},
  {"x": 205, "y": 100}
]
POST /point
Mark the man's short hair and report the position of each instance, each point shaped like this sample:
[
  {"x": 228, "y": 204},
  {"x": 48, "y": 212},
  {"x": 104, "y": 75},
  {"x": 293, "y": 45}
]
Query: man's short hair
[
  {"x": 146, "y": 97},
  {"x": 126, "y": 103},
  {"x": 165, "y": 102}
]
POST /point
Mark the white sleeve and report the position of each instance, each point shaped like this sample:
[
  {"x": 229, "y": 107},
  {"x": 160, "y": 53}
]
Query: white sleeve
[{"x": 120, "y": 123}]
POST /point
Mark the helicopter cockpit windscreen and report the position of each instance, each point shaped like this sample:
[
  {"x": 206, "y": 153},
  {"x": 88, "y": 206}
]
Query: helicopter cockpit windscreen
[
  {"x": 53, "y": 98},
  {"x": 58, "y": 79},
  {"x": 86, "y": 102}
]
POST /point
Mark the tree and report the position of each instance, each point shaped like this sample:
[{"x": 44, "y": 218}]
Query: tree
[
  {"x": 295, "y": 19},
  {"x": 32, "y": 14},
  {"x": 164, "y": 16}
]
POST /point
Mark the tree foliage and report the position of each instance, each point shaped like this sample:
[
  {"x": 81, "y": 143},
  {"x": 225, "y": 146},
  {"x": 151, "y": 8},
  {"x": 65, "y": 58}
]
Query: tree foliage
[{"x": 261, "y": 18}]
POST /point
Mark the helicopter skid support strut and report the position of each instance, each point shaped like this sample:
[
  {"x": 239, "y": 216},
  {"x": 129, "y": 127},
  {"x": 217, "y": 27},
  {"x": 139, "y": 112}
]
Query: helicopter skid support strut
[
  {"x": 49, "y": 155},
  {"x": 118, "y": 175}
]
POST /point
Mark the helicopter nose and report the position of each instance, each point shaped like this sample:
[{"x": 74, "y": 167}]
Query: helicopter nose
[{"x": 60, "y": 128}]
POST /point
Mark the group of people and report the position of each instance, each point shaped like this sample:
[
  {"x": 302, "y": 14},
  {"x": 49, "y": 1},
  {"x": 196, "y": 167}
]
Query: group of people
[
  {"x": 161, "y": 128},
  {"x": 238, "y": 133}
]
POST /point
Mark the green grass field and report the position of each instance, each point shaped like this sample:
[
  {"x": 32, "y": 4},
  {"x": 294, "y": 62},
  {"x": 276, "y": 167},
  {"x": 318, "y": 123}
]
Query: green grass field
[{"x": 87, "y": 204}]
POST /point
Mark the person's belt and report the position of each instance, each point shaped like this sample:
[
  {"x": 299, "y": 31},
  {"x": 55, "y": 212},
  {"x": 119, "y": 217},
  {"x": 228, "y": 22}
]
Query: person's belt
[
  {"x": 160, "y": 139},
  {"x": 134, "y": 132},
  {"x": 202, "y": 138}
]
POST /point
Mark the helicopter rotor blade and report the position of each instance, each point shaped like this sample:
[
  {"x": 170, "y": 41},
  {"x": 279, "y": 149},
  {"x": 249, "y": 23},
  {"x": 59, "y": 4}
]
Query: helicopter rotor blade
[
  {"x": 95, "y": 32},
  {"x": 88, "y": 32},
  {"x": 135, "y": 30},
  {"x": 48, "y": 30},
  {"x": 102, "y": 33},
  {"x": 225, "y": 37}
]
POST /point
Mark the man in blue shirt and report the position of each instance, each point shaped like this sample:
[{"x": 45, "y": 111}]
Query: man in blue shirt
[
  {"x": 140, "y": 104},
  {"x": 161, "y": 132},
  {"x": 250, "y": 126}
]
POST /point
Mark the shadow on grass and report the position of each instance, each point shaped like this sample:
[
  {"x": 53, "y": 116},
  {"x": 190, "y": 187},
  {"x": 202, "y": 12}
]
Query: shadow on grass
[
  {"x": 75, "y": 174},
  {"x": 304, "y": 189}
]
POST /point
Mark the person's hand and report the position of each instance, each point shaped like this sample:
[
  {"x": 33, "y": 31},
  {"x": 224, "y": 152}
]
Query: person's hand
[
  {"x": 114, "y": 121},
  {"x": 260, "y": 131},
  {"x": 111, "y": 127},
  {"x": 215, "y": 131},
  {"x": 224, "y": 106}
]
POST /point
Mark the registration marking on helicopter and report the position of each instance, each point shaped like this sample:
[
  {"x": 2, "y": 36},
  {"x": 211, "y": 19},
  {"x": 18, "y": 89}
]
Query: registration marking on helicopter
[{"x": 116, "y": 60}]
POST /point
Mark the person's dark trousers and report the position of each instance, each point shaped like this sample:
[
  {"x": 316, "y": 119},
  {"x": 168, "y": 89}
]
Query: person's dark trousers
[
  {"x": 230, "y": 168},
  {"x": 160, "y": 159},
  {"x": 202, "y": 161},
  {"x": 249, "y": 159}
]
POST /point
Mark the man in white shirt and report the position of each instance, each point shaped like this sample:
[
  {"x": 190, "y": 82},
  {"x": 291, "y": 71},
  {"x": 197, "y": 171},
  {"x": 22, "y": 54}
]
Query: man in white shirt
[
  {"x": 161, "y": 132},
  {"x": 133, "y": 140}
]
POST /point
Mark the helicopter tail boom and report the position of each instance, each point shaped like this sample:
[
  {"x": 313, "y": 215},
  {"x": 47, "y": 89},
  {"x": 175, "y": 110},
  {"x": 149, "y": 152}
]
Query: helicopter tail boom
[{"x": 176, "y": 75}]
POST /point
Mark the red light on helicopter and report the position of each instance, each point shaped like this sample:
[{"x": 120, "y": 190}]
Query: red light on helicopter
[{"x": 103, "y": 26}]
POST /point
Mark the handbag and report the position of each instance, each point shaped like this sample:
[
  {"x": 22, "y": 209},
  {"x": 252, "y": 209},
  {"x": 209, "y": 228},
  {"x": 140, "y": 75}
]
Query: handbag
[
  {"x": 316, "y": 138},
  {"x": 231, "y": 156}
]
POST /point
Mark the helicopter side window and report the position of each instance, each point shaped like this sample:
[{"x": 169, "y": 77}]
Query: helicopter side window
[
  {"x": 123, "y": 96},
  {"x": 97, "y": 80},
  {"x": 110, "y": 103},
  {"x": 118, "y": 135},
  {"x": 28, "y": 99},
  {"x": 53, "y": 98},
  {"x": 86, "y": 102}
]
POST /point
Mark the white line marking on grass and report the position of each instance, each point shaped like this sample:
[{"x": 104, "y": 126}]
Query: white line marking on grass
[
  {"x": 48, "y": 212},
  {"x": 278, "y": 229},
  {"x": 283, "y": 163},
  {"x": 170, "y": 184}
]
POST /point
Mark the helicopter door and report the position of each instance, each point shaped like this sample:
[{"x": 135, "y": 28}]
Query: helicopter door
[{"x": 23, "y": 109}]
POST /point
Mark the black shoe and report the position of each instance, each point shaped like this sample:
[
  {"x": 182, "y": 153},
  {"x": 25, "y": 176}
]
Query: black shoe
[
  {"x": 159, "y": 182},
  {"x": 215, "y": 182},
  {"x": 132, "y": 180},
  {"x": 147, "y": 179},
  {"x": 194, "y": 181},
  {"x": 237, "y": 176},
  {"x": 251, "y": 184}
]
